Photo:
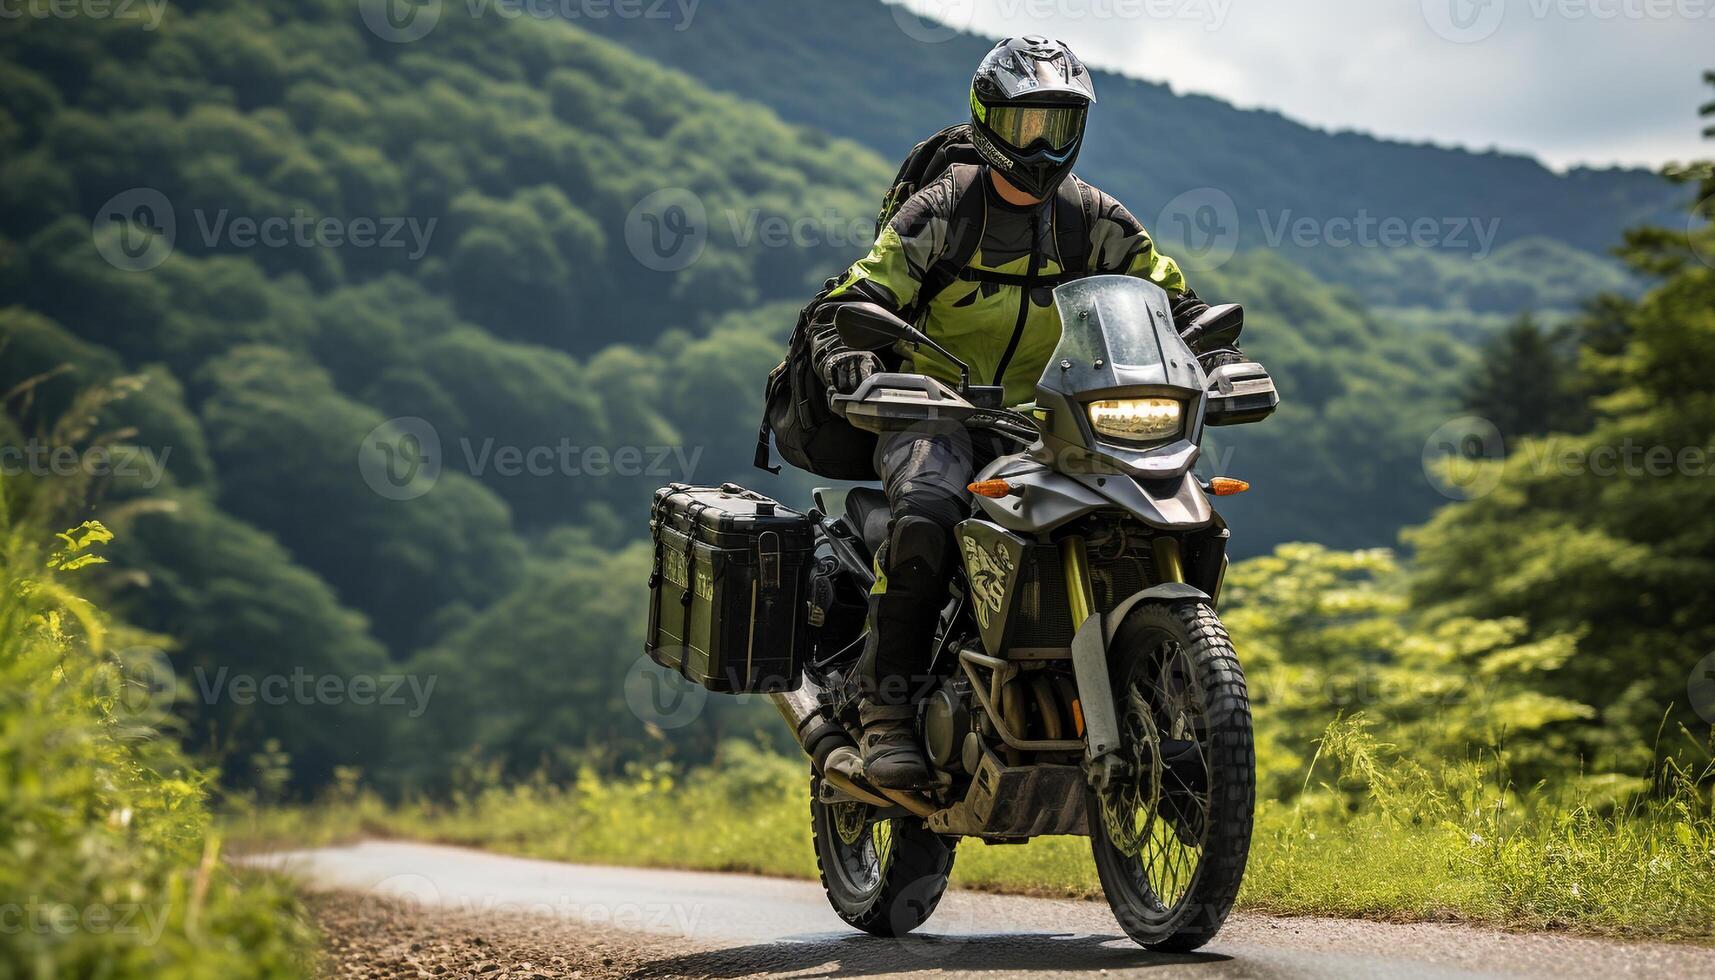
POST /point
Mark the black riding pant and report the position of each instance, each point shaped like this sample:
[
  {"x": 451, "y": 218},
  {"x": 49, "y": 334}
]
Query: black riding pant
[{"x": 926, "y": 472}]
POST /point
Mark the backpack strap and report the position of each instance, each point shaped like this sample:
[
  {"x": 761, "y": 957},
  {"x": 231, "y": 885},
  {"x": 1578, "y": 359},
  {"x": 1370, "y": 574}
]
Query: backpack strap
[
  {"x": 1072, "y": 223},
  {"x": 1073, "y": 220},
  {"x": 965, "y": 225},
  {"x": 926, "y": 161},
  {"x": 763, "y": 457}
]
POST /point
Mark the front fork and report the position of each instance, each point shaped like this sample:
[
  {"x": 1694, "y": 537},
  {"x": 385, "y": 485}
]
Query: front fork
[
  {"x": 1096, "y": 709},
  {"x": 1075, "y": 559}
]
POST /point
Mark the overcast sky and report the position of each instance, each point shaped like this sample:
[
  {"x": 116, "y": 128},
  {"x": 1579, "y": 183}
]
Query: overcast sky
[{"x": 1570, "y": 81}]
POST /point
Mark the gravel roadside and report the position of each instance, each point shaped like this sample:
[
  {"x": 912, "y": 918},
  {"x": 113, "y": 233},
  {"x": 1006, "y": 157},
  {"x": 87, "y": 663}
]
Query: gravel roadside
[{"x": 369, "y": 938}]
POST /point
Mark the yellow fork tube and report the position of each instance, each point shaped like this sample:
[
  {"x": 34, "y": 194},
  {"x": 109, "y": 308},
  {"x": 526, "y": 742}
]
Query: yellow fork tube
[
  {"x": 1168, "y": 567},
  {"x": 1080, "y": 594}
]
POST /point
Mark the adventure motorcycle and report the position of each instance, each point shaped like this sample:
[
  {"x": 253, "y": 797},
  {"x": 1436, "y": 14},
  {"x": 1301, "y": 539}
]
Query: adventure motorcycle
[{"x": 1085, "y": 684}]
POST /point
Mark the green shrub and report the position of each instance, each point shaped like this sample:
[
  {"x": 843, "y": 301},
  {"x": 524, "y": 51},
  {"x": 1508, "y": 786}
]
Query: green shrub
[{"x": 109, "y": 864}]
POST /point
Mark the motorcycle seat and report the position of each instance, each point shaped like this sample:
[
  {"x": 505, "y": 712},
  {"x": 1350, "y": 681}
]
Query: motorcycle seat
[{"x": 867, "y": 513}]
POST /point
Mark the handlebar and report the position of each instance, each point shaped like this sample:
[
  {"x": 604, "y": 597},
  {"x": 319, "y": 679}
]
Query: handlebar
[{"x": 897, "y": 401}]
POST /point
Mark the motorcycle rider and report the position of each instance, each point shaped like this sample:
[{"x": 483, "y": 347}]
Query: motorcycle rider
[{"x": 1029, "y": 102}]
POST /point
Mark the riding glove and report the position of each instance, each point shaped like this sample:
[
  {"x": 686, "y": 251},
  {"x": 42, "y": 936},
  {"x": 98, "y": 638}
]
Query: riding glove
[{"x": 844, "y": 371}]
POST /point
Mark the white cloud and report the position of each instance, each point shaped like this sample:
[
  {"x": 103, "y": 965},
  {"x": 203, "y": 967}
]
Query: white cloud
[{"x": 1570, "y": 81}]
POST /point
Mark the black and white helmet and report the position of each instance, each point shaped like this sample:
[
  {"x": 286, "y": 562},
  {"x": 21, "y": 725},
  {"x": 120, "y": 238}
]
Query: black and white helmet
[{"x": 1029, "y": 102}]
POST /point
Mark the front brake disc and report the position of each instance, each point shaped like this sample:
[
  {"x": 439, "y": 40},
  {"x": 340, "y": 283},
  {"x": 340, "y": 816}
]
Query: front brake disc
[{"x": 1140, "y": 790}]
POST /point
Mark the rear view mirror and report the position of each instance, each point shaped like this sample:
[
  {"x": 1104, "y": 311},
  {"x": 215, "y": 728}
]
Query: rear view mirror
[
  {"x": 866, "y": 326},
  {"x": 1218, "y": 327}
]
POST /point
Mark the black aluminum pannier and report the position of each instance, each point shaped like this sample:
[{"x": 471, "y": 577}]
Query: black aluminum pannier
[{"x": 726, "y": 596}]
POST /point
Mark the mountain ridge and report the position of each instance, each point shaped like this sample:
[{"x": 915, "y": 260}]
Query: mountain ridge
[{"x": 846, "y": 66}]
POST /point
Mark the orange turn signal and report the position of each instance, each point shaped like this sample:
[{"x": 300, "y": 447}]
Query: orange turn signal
[
  {"x": 995, "y": 489},
  {"x": 1225, "y": 486}
]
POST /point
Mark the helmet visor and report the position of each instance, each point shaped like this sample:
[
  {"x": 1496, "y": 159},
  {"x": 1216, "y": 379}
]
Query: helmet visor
[{"x": 1022, "y": 126}]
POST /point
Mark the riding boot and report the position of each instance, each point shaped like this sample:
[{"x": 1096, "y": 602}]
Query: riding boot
[
  {"x": 892, "y": 756},
  {"x": 903, "y": 614},
  {"x": 891, "y": 670}
]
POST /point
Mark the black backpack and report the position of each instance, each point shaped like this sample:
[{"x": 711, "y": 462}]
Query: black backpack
[{"x": 806, "y": 431}]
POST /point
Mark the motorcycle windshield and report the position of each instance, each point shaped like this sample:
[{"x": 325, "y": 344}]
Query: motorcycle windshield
[{"x": 1117, "y": 331}]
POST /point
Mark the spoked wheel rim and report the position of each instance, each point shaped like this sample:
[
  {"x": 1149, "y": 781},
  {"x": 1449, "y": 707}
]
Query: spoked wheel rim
[
  {"x": 863, "y": 847},
  {"x": 885, "y": 877},
  {"x": 1157, "y": 815}
]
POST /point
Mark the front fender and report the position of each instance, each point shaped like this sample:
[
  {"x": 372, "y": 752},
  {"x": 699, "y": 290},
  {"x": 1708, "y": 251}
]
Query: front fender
[
  {"x": 1167, "y": 592},
  {"x": 1090, "y": 666}
]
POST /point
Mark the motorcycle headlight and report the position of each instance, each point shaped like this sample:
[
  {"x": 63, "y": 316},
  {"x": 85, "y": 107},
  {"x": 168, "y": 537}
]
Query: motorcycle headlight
[{"x": 1137, "y": 419}]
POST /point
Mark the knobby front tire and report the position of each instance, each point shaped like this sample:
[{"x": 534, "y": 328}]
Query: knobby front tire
[{"x": 1170, "y": 846}]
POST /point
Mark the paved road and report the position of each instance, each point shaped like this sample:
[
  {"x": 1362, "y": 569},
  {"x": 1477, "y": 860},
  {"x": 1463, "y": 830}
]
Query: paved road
[{"x": 673, "y": 923}]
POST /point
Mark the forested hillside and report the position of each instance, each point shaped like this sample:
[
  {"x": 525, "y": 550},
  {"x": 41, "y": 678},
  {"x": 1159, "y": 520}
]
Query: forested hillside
[{"x": 522, "y": 321}]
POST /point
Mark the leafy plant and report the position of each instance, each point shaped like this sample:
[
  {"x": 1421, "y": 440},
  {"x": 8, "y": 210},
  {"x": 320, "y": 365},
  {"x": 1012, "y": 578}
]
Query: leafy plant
[{"x": 109, "y": 863}]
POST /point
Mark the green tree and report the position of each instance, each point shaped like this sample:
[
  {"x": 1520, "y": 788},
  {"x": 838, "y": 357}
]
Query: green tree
[
  {"x": 288, "y": 447},
  {"x": 1524, "y": 383},
  {"x": 538, "y": 681},
  {"x": 241, "y": 611},
  {"x": 1326, "y": 634},
  {"x": 1607, "y": 534}
]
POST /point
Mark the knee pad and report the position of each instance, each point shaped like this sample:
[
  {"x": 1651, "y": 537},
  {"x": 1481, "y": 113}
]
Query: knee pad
[
  {"x": 918, "y": 552},
  {"x": 934, "y": 502}
]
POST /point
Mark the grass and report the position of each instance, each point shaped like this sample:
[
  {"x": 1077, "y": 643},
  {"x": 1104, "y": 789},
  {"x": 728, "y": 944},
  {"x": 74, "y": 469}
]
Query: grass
[
  {"x": 110, "y": 865},
  {"x": 1384, "y": 839}
]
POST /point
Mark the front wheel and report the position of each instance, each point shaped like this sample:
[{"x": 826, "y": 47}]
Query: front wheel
[
  {"x": 1172, "y": 831},
  {"x": 884, "y": 877}
]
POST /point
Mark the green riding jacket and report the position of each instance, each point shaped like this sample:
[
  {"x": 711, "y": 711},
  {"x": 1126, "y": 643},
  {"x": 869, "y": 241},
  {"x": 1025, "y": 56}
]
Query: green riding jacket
[{"x": 980, "y": 321}]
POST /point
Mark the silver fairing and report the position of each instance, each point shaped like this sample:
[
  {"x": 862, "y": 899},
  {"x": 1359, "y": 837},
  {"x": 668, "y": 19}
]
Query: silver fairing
[{"x": 1044, "y": 499}]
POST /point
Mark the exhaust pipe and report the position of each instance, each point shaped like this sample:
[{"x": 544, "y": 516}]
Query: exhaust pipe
[
  {"x": 818, "y": 736},
  {"x": 831, "y": 750}
]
